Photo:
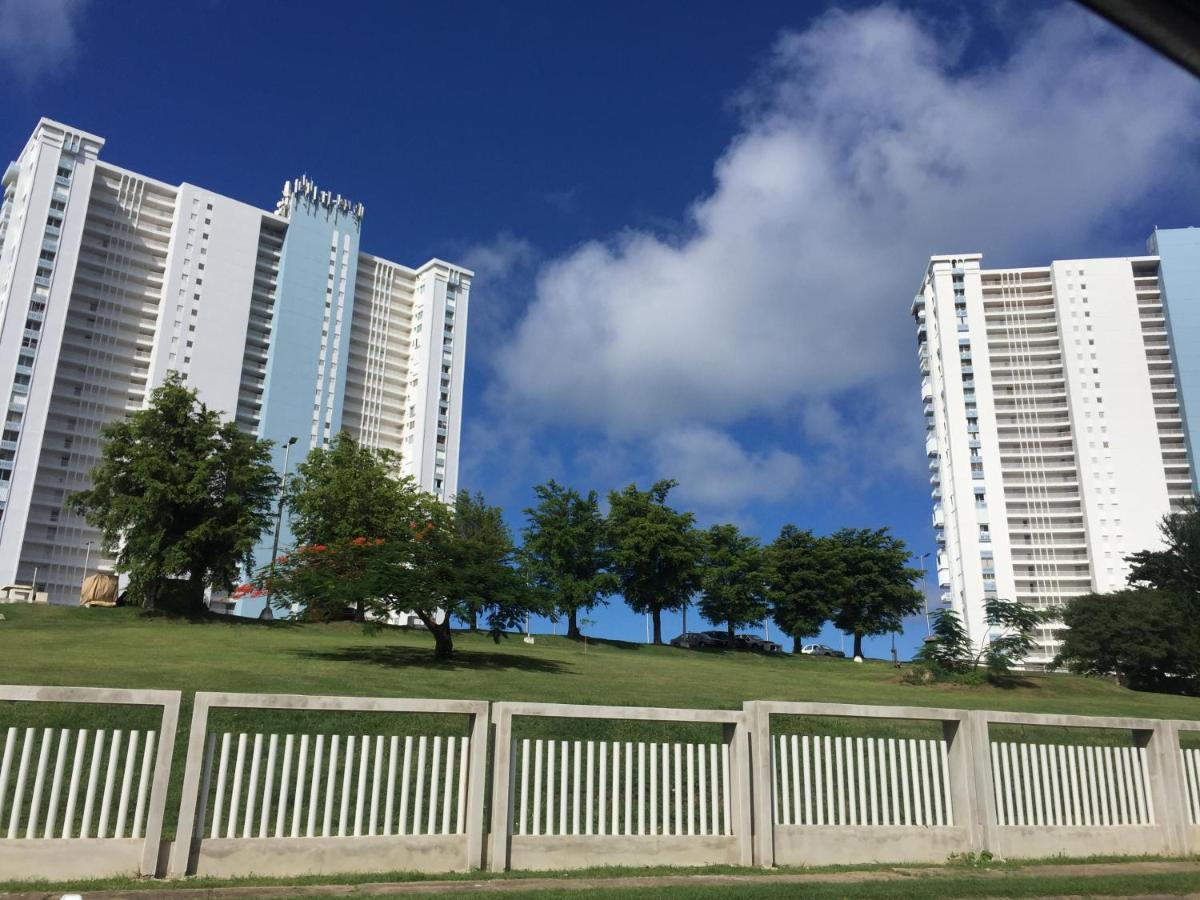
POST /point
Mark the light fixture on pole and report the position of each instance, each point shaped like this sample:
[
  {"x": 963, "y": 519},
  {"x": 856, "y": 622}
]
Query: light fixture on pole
[
  {"x": 87, "y": 558},
  {"x": 287, "y": 450}
]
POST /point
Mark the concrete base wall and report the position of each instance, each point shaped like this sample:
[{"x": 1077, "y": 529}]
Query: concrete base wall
[
  {"x": 577, "y": 851},
  {"x": 22, "y": 859},
  {"x": 231, "y": 858},
  {"x": 835, "y": 845},
  {"x": 1037, "y": 841}
]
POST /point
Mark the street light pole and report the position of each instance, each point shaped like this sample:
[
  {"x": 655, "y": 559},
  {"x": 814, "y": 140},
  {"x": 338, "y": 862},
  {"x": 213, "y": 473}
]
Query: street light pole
[
  {"x": 287, "y": 450},
  {"x": 924, "y": 593},
  {"x": 87, "y": 558}
]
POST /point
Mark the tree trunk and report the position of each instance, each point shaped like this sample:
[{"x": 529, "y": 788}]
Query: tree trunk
[
  {"x": 360, "y": 613},
  {"x": 796, "y": 644},
  {"x": 196, "y": 605},
  {"x": 474, "y": 620},
  {"x": 730, "y": 638},
  {"x": 443, "y": 641},
  {"x": 573, "y": 624},
  {"x": 858, "y": 638},
  {"x": 150, "y": 594},
  {"x": 657, "y": 613}
]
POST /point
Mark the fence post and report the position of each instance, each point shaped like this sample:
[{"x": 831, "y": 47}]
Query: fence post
[
  {"x": 758, "y": 769},
  {"x": 502, "y": 788},
  {"x": 160, "y": 787},
  {"x": 1168, "y": 790},
  {"x": 476, "y": 785},
  {"x": 741, "y": 762},
  {"x": 181, "y": 852},
  {"x": 970, "y": 757}
]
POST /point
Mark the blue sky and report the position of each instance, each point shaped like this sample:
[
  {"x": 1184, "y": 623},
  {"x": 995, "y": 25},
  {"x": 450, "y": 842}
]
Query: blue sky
[{"x": 696, "y": 226}]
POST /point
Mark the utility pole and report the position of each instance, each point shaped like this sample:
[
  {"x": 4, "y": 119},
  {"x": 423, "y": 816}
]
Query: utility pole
[
  {"x": 87, "y": 558},
  {"x": 924, "y": 593},
  {"x": 287, "y": 450}
]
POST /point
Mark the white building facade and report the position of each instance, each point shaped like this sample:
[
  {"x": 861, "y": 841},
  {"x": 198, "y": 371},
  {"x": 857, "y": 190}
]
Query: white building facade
[
  {"x": 110, "y": 279},
  {"x": 1054, "y": 428}
]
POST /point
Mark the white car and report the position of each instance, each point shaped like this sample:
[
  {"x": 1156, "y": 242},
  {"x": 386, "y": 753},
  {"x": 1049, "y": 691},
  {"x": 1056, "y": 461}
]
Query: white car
[{"x": 820, "y": 650}]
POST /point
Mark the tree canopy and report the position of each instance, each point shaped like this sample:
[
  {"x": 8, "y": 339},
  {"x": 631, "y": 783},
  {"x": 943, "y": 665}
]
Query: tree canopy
[
  {"x": 732, "y": 581},
  {"x": 179, "y": 495},
  {"x": 655, "y": 550},
  {"x": 564, "y": 551},
  {"x": 802, "y": 581},
  {"x": 873, "y": 582}
]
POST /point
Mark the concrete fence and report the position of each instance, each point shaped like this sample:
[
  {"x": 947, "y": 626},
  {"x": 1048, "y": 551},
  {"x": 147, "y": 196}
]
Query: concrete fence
[
  {"x": 571, "y": 786},
  {"x": 78, "y": 803},
  {"x": 291, "y": 804},
  {"x": 633, "y": 803}
]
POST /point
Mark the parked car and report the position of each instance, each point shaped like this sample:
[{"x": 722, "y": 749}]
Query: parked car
[
  {"x": 754, "y": 642},
  {"x": 696, "y": 640},
  {"x": 821, "y": 650},
  {"x": 721, "y": 637}
]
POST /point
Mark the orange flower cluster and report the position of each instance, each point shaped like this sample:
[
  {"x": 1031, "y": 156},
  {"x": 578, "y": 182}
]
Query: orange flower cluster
[{"x": 246, "y": 590}]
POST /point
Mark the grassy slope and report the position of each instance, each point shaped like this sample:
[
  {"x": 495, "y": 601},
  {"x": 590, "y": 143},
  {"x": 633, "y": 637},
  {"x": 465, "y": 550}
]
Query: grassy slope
[{"x": 121, "y": 648}]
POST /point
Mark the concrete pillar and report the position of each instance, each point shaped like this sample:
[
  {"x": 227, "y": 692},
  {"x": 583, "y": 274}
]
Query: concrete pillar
[
  {"x": 1168, "y": 789},
  {"x": 745, "y": 826},
  {"x": 970, "y": 758},
  {"x": 502, "y": 789},
  {"x": 758, "y": 767}
]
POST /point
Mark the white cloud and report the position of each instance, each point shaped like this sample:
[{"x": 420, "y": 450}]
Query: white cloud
[
  {"x": 865, "y": 149},
  {"x": 718, "y": 474},
  {"x": 38, "y": 36}
]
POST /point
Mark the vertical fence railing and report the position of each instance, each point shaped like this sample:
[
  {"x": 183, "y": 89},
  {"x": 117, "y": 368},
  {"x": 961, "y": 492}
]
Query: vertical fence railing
[
  {"x": 305, "y": 803},
  {"x": 857, "y": 798},
  {"x": 84, "y": 800},
  {"x": 568, "y": 803}
]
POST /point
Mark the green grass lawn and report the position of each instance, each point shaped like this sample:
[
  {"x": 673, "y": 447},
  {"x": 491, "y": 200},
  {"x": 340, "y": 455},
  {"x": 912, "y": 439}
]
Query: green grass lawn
[{"x": 123, "y": 648}]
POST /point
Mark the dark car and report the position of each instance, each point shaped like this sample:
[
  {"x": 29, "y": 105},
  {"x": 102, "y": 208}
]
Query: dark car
[
  {"x": 754, "y": 642},
  {"x": 721, "y": 637},
  {"x": 698, "y": 640}
]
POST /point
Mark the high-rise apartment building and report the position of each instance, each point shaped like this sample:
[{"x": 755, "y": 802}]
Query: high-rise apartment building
[
  {"x": 110, "y": 279},
  {"x": 1054, "y": 421}
]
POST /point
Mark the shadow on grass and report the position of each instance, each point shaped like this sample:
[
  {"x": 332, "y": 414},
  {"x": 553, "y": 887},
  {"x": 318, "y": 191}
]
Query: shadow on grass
[
  {"x": 207, "y": 617},
  {"x": 422, "y": 657}
]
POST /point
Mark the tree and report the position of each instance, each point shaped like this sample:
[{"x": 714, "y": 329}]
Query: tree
[
  {"x": 179, "y": 494},
  {"x": 802, "y": 573},
  {"x": 1148, "y": 638},
  {"x": 1010, "y": 640},
  {"x": 1176, "y": 567},
  {"x": 564, "y": 551},
  {"x": 485, "y": 540},
  {"x": 345, "y": 491},
  {"x": 732, "y": 582},
  {"x": 949, "y": 650},
  {"x": 655, "y": 550},
  {"x": 421, "y": 564},
  {"x": 876, "y": 591}
]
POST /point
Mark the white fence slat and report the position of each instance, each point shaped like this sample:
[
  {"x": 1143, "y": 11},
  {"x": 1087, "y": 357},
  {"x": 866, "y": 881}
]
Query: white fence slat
[
  {"x": 1026, "y": 786},
  {"x": 126, "y": 784},
  {"x": 1034, "y": 786},
  {"x": 641, "y": 787},
  {"x": 590, "y": 789},
  {"x": 39, "y": 780},
  {"x": 448, "y": 783},
  {"x": 1055, "y": 797},
  {"x": 22, "y": 776},
  {"x": 405, "y": 766},
  {"x": 148, "y": 757},
  {"x": 562, "y": 789},
  {"x": 773, "y": 768},
  {"x": 1013, "y": 804},
  {"x": 376, "y": 785},
  {"x": 264, "y": 819},
  {"x": 434, "y": 775},
  {"x": 702, "y": 789},
  {"x": 89, "y": 791},
  {"x": 1193, "y": 759},
  {"x": 389, "y": 797},
  {"x": 935, "y": 781},
  {"x": 360, "y": 794},
  {"x": 851, "y": 783},
  {"x": 252, "y": 787},
  {"x": 894, "y": 778},
  {"x": 679, "y": 825},
  {"x": 60, "y": 765},
  {"x": 779, "y": 782},
  {"x": 714, "y": 790},
  {"x": 841, "y": 781},
  {"x": 615, "y": 824},
  {"x": 926, "y": 783},
  {"x": 872, "y": 781},
  {"x": 797, "y": 803},
  {"x": 235, "y": 794},
  {"x": 76, "y": 775},
  {"x": 945, "y": 781},
  {"x": 10, "y": 746},
  {"x": 666, "y": 788},
  {"x": 602, "y": 812},
  {"x": 627, "y": 827},
  {"x": 464, "y": 755},
  {"x": 347, "y": 781},
  {"x": 1144, "y": 773},
  {"x": 551, "y": 770},
  {"x": 1103, "y": 774},
  {"x": 654, "y": 788},
  {"x": 726, "y": 796},
  {"x": 335, "y": 742},
  {"x": 576, "y": 764},
  {"x": 1045, "y": 763},
  {"x": 998, "y": 783},
  {"x": 298, "y": 798},
  {"x": 1125, "y": 782},
  {"x": 905, "y": 781},
  {"x": 689, "y": 826},
  {"x": 1086, "y": 813},
  {"x": 1132, "y": 780},
  {"x": 419, "y": 790},
  {"x": 860, "y": 769},
  {"x": 285, "y": 783},
  {"x": 818, "y": 782},
  {"x": 110, "y": 781},
  {"x": 298, "y": 793}
]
